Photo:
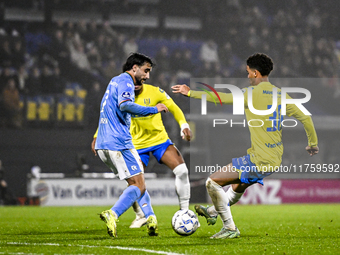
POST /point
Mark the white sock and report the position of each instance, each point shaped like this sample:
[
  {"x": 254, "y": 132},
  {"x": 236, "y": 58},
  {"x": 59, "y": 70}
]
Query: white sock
[
  {"x": 212, "y": 211},
  {"x": 219, "y": 198},
  {"x": 232, "y": 196},
  {"x": 182, "y": 185},
  {"x": 138, "y": 210},
  {"x": 114, "y": 214}
]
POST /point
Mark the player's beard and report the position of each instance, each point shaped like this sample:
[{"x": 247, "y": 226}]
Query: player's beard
[
  {"x": 138, "y": 91},
  {"x": 140, "y": 82}
]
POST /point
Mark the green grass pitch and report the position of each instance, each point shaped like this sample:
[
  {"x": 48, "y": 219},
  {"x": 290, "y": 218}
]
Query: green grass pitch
[{"x": 265, "y": 229}]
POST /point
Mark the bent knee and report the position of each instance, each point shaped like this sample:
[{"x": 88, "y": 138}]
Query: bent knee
[
  {"x": 141, "y": 186},
  {"x": 181, "y": 171},
  {"x": 139, "y": 182},
  {"x": 209, "y": 182}
]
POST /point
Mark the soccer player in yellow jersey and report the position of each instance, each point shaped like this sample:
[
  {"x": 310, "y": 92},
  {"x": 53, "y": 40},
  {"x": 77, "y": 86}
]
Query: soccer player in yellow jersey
[
  {"x": 266, "y": 150},
  {"x": 149, "y": 136}
]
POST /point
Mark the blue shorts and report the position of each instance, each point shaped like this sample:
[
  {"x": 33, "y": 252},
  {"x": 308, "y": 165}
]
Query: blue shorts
[
  {"x": 157, "y": 151},
  {"x": 247, "y": 170}
]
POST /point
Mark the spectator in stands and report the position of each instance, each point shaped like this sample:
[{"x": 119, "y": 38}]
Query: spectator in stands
[
  {"x": 106, "y": 47},
  {"x": 205, "y": 70},
  {"x": 58, "y": 25},
  {"x": 7, "y": 74},
  {"x": 118, "y": 44},
  {"x": 100, "y": 44},
  {"x": 162, "y": 81},
  {"x": 10, "y": 105},
  {"x": 92, "y": 32},
  {"x": 209, "y": 52},
  {"x": 59, "y": 81},
  {"x": 47, "y": 80},
  {"x": 186, "y": 64},
  {"x": 6, "y": 198},
  {"x": 175, "y": 62},
  {"x": 18, "y": 54},
  {"x": 94, "y": 58},
  {"x": 6, "y": 54},
  {"x": 226, "y": 55},
  {"x": 59, "y": 51},
  {"x": 34, "y": 84},
  {"x": 70, "y": 29},
  {"x": 130, "y": 46},
  {"x": 163, "y": 60},
  {"x": 93, "y": 100},
  {"x": 22, "y": 80},
  {"x": 81, "y": 29},
  {"x": 111, "y": 70},
  {"x": 108, "y": 31},
  {"x": 78, "y": 56}
]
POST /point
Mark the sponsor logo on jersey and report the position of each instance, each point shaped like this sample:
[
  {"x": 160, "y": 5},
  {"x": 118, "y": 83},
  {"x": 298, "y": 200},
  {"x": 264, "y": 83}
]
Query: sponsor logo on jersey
[
  {"x": 270, "y": 92},
  {"x": 126, "y": 94},
  {"x": 147, "y": 101}
]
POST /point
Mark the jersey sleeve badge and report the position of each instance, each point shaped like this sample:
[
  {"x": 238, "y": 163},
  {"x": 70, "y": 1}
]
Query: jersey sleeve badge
[
  {"x": 166, "y": 94},
  {"x": 126, "y": 94}
]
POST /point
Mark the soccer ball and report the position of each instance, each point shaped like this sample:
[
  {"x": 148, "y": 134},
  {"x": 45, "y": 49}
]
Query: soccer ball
[{"x": 185, "y": 222}]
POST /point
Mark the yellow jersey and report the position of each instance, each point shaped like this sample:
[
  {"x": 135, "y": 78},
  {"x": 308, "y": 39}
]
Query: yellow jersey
[
  {"x": 149, "y": 131},
  {"x": 265, "y": 130}
]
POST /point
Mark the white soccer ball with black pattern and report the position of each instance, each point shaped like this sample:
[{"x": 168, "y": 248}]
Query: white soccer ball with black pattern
[{"x": 185, "y": 222}]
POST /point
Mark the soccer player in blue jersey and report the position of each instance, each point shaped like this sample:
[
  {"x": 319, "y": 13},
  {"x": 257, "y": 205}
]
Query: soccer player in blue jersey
[
  {"x": 260, "y": 160},
  {"x": 149, "y": 136},
  {"x": 114, "y": 142}
]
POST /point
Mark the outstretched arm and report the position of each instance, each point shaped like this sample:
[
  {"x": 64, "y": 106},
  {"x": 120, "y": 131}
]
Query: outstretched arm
[
  {"x": 226, "y": 98},
  {"x": 136, "y": 109},
  {"x": 181, "y": 89}
]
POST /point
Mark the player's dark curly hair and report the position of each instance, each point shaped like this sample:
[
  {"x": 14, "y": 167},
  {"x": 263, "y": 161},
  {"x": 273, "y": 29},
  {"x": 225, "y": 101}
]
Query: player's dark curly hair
[
  {"x": 136, "y": 59},
  {"x": 260, "y": 62}
]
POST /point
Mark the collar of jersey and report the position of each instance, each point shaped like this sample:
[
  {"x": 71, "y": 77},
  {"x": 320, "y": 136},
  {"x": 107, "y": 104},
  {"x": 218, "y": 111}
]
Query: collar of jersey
[{"x": 130, "y": 76}]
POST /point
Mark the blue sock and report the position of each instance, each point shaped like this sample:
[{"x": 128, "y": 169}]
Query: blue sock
[
  {"x": 145, "y": 204},
  {"x": 126, "y": 199}
]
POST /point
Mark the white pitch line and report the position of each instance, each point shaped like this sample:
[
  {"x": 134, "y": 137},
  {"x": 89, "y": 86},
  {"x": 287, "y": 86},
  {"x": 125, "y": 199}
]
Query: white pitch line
[
  {"x": 22, "y": 253},
  {"x": 95, "y": 246}
]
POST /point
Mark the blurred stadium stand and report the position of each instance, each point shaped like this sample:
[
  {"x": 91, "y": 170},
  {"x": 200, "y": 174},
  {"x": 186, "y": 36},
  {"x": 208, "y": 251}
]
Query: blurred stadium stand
[{"x": 78, "y": 44}]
